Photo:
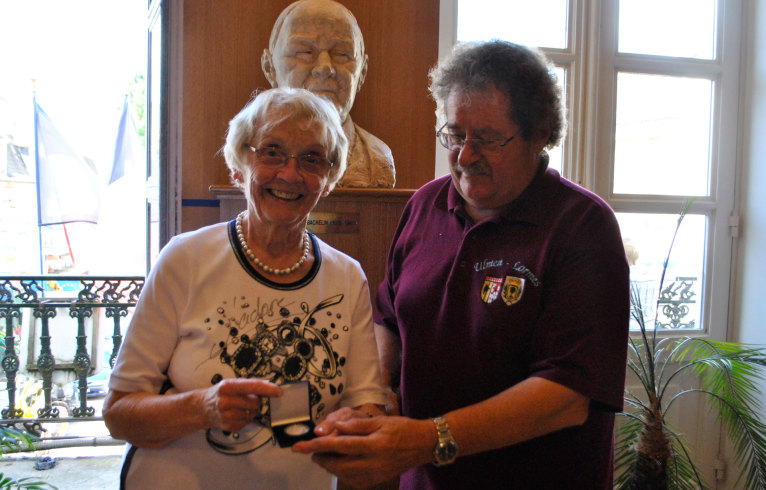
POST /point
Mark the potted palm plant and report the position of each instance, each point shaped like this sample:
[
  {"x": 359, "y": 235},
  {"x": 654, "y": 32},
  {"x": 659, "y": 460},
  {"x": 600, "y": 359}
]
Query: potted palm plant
[{"x": 649, "y": 452}]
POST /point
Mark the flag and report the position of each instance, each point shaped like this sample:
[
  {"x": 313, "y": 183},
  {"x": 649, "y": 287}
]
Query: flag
[
  {"x": 67, "y": 186},
  {"x": 122, "y": 221},
  {"x": 128, "y": 151}
]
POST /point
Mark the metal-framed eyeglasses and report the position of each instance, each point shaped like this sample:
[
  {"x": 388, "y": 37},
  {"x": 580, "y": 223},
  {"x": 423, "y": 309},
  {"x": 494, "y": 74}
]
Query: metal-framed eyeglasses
[
  {"x": 275, "y": 157},
  {"x": 454, "y": 142}
]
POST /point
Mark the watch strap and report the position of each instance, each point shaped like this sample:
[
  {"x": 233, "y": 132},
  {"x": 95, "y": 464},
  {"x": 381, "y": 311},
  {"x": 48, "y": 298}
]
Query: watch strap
[{"x": 446, "y": 448}]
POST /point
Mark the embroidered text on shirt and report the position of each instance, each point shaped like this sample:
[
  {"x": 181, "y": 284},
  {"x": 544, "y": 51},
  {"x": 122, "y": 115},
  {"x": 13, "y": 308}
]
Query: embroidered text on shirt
[
  {"x": 519, "y": 267},
  {"x": 486, "y": 264}
]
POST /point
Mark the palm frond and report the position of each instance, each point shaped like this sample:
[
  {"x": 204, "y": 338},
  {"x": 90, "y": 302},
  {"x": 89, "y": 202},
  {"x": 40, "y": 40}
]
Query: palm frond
[
  {"x": 626, "y": 442},
  {"x": 26, "y": 483},
  {"x": 728, "y": 373},
  {"x": 664, "y": 363},
  {"x": 681, "y": 467},
  {"x": 644, "y": 358},
  {"x": 641, "y": 375},
  {"x": 681, "y": 217},
  {"x": 635, "y": 402},
  {"x": 676, "y": 357},
  {"x": 11, "y": 439}
]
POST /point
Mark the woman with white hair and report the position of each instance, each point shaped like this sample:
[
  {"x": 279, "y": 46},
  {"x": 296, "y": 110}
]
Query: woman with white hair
[{"x": 234, "y": 314}]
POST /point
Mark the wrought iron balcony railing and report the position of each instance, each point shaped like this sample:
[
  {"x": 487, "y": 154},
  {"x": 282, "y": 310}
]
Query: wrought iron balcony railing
[{"x": 42, "y": 298}]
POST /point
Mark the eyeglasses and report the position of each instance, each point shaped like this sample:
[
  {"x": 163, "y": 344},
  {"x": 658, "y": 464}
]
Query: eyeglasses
[
  {"x": 453, "y": 142},
  {"x": 276, "y": 157}
]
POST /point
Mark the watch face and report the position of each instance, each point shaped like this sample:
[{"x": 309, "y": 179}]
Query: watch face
[{"x": 446, "y": 451}]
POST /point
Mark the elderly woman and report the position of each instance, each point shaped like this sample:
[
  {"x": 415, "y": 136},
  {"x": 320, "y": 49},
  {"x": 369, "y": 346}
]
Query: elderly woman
[{"x": 233, "y": 312}]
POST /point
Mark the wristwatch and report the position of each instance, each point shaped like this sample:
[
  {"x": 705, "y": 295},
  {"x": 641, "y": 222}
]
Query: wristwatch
[{"x": 445, "y": 450}]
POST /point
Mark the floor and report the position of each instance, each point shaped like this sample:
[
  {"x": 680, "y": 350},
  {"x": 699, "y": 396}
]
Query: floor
[
  {"x": 68, "y": 473},
  {"x": 71, "y": 468}
]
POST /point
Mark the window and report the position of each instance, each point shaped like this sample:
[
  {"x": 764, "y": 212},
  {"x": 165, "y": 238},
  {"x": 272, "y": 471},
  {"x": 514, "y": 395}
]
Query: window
[
  {"x": 74, "y": 70},
  {"x": 652, "y": 124}
]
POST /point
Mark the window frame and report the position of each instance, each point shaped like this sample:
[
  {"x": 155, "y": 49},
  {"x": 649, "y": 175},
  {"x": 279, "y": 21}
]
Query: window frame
[{"x": 592, "y": 63}]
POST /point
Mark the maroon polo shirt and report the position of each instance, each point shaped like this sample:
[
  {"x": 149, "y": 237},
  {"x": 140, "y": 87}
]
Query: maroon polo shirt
[{"x": 541, "y": 290}]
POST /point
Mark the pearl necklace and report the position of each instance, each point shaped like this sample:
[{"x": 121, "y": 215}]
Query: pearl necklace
[{"x": 257, "y": 261}]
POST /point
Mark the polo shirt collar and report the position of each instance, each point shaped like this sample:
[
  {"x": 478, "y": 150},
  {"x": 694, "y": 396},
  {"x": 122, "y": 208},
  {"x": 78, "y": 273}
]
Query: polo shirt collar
[{"x": 528, "y": 207}]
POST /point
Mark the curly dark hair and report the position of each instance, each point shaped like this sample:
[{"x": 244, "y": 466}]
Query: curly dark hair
[{"x": 523, "y": 74}]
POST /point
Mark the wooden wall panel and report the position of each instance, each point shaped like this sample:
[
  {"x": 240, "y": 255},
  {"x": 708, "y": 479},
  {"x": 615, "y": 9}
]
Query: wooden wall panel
[
  {"x": 401, "y": 38},
  {"x": 222, "y": 45}
]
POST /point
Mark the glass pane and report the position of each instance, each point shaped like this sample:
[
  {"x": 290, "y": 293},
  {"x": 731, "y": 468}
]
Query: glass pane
[
  {"x": 556, "y": 158},
  {"x": 647, "y": 238},
  {"x": 662, "y": 137},
  {"x": 542, "y": 23},
  {"x": 153, "y": 109},
  {"x": 683, "y": 28},
  {"x": 78, "y": 61},
  {"x": 556, "y": 155}
]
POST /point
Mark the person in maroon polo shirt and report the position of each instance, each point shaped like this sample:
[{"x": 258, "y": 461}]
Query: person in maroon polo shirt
[{"x": 503, "y": 316}]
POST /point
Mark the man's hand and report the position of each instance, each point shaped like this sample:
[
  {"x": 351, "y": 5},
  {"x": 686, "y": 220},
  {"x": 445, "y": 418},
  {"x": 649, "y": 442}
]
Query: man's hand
[
  {"x": 367, "y": 451},
  {"x": 344, "y": 414}
]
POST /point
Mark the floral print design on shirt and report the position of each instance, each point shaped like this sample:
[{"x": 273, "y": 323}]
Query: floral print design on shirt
[{"x": 282, "y": 342}]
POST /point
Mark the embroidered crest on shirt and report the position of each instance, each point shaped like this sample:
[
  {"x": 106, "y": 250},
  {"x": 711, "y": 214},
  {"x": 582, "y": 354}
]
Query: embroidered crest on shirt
[
  {"x": 513, "y": 288},
  {"x": 491, "y": 289}
]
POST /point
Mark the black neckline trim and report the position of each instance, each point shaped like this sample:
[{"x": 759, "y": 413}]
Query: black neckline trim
[{"x": 251, "y": 269}]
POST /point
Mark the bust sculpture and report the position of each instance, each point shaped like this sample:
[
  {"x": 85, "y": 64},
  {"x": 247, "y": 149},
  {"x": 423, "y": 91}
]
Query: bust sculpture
[{"x": 317, "y": 45}]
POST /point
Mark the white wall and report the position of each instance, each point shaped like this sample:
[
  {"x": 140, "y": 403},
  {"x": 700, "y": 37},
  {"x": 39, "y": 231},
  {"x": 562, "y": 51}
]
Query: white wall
[
  {"x": 748, "y": 315},
  {"x": 749, "y": 302}
]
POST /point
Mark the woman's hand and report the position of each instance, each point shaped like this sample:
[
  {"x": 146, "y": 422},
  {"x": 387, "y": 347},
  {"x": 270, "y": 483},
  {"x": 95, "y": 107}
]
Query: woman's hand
[
  {"x": 151, "y": 420},
  {"x": 232, "y": 403},
  {"x": 393, "y": 404}
]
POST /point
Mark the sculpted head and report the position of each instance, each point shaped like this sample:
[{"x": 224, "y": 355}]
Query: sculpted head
[{"x": 317, "y": 45}]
